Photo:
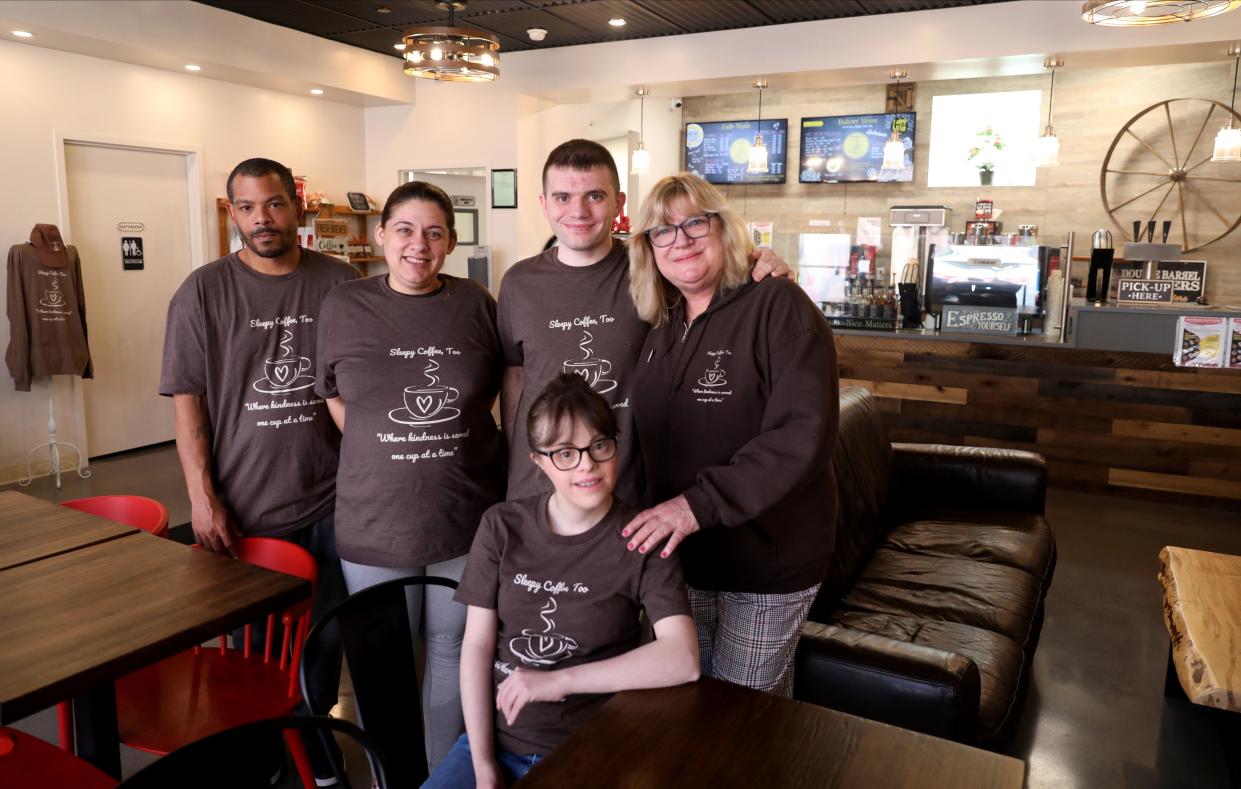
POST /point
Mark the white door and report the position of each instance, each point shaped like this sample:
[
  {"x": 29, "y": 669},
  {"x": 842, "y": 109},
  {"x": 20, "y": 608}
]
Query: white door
[{"x": 125, "y": 309}]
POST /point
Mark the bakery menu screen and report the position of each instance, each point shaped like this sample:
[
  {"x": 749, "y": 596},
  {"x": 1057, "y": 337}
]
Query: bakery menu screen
[
  {"x": 850, "y": 148},
  {"x": 720, "y": 152}
]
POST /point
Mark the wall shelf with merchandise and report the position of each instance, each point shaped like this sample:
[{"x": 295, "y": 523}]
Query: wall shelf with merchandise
[{"x": 358, "y": 222}]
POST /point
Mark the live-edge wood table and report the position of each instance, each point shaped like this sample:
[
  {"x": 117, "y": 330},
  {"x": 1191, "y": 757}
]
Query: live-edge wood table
[
  {"x": 713, "y": 734},
  {"x": 77, "y": 618}
]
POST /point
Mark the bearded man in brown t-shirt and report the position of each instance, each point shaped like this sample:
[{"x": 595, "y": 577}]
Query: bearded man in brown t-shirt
[
  {"x": 258, "y": 448},
  {"x": 568, "y": 310}
]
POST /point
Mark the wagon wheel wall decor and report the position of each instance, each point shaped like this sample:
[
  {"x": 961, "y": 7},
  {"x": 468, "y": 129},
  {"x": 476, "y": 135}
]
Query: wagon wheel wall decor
[{"x": 1159, "y": 166}]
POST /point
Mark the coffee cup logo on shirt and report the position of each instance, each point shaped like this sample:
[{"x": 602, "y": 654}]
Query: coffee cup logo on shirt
[
  {"x": 427, "y": 404},
  {"x": 544, "y": 648},
  {"x": 592, "y": 368},
  {"x": 53, "y": 297},
  {"x": 286, "y": 372},
  {"x": 714, "y": 376}
]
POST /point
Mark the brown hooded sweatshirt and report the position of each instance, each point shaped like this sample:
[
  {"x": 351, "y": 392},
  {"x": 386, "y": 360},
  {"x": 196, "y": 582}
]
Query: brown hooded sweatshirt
[{"x": 738, "y": 411}]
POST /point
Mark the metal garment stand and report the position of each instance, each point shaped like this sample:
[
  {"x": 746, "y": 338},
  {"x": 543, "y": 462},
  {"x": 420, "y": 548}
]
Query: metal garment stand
[{"x": 53, "y": 446}]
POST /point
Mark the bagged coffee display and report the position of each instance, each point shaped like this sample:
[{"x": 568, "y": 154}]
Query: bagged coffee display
[
  {"x": 1234, "y": 343},
  {"x": 1201, "y": 342}
]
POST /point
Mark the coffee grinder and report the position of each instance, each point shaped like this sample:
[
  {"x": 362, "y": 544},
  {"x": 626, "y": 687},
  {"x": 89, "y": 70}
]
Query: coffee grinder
[{"x": 1101, "y": 255}]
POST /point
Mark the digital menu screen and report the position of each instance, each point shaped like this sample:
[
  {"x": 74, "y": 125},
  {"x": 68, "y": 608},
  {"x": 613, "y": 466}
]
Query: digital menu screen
[
  {"x": 719, "y": 152},
  {"x": 850, "y": 148}
]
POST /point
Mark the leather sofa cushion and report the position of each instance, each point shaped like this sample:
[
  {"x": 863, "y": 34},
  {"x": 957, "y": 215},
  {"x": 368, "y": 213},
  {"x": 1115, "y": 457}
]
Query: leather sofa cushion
[
  {"x": 999, "y": 659},
  {"x": 993, "y": 597},
  {"x": 1014, "y": 539},
  {"x": 862, "y": 464}
]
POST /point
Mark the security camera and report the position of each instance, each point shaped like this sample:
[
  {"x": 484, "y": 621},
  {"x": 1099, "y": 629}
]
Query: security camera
[{"x": 675, "y": 104}]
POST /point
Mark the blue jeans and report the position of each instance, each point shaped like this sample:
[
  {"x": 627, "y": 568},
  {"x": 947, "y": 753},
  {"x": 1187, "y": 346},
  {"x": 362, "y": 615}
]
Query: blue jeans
[{"x": 456, "y": 770}]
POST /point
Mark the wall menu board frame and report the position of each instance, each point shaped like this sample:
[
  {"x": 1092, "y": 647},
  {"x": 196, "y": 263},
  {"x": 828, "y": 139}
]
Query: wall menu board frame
[
  {"x": 849, "y": 148},
  {"x": 719, "y": 151}
]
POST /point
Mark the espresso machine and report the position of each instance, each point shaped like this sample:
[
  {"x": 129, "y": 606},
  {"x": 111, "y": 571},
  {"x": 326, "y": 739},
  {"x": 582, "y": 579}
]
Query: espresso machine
[{"x": 915, "y": 230}]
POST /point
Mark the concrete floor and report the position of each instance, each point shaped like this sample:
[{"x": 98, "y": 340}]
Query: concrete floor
[{"x": 1096, "y": 715}]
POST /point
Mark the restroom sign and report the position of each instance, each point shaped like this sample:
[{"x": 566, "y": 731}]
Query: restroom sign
[{"x": 131, "y": 253}]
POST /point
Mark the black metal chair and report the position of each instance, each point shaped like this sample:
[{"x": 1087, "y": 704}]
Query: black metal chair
[
  {"x": 379, "y": 650},
  {"x": 241, "y": 757}
]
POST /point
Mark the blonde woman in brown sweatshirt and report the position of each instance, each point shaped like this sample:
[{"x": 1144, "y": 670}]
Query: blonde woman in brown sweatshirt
[{"x": 735, "y": 401}]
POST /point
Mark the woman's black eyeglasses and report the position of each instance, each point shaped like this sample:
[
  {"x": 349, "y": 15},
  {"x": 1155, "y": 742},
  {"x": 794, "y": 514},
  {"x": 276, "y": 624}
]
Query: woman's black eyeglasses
[
  {"x": 569, "y": 458},
  {"x": 694, "y": 227}
]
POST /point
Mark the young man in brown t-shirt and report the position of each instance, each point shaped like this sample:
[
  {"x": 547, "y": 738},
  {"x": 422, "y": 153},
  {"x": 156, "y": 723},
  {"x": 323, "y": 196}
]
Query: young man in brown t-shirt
[
  {"x": 568, "y": 310},
  {"x": 257, "y": 446}
]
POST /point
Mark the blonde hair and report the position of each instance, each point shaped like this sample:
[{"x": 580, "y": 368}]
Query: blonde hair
[{"x": 652, "y": 294}]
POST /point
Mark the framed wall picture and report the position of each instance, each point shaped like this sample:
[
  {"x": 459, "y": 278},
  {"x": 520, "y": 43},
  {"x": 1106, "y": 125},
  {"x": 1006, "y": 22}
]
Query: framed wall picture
[
  {"x": 503, "y": 188},
  {"x": 358, "y": 201},
  {"x": 466, "y": 220}
]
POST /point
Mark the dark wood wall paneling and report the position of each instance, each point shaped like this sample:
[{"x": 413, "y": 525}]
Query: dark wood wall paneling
[{"x": 1126, "y": 423}]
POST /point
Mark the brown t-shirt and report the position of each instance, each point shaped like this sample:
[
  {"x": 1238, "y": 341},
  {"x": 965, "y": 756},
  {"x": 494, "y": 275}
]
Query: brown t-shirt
[
  {"x": 421, "y": 458},
  {"x": 739, "y": 413},
  {"x": 562, "y": 601},
  {"x": 571, "y": 319},
  {"x": 47, "y": 318},
  {"x": 246, "y": 341}
]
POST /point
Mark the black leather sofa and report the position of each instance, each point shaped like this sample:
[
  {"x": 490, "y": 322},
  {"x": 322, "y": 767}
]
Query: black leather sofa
[{"x": 933, "y": 602}]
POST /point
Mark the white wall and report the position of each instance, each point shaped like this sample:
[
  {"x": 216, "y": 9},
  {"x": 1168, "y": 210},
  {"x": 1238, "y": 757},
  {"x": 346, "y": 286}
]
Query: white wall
[{"x": 47, "y": 90}]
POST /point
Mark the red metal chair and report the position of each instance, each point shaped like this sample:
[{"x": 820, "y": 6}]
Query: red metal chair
[
  {"x": 27, "y": 761},
  {"x": 137, "y": 511},
  {"x": 202, "y": 691}
]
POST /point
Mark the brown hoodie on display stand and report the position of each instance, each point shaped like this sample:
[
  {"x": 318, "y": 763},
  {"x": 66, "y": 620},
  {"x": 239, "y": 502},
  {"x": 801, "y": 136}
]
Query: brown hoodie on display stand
[{"x": 47, "y": 311}]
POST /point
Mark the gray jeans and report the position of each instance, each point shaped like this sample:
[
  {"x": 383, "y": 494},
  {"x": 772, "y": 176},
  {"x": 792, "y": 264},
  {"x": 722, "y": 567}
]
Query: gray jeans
[{"x": 433, "y": 614}]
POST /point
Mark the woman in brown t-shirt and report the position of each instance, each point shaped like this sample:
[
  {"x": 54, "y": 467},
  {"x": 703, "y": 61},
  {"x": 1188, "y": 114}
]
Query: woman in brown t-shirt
[
  {"x": 413, "y": 358},
  {"x": 735, "y": 401},
  {"x": 553, "y": 602}
]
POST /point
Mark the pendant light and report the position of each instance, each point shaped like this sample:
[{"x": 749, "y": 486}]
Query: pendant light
[
  {"x": 1047, "y": 148},
  {"x": 1228, "y": 141},
  {"x": 1136, "y": 13},
  {"x": 451, "y": 54},
  {"x": 758, "y": 151},
  {"x": 641, "y": 157},
  {"x": 894, "y": 148}
]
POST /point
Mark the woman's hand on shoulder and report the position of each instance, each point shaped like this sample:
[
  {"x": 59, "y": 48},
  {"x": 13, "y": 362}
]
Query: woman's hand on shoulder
[
  {"x": 673, "y": 520},
  {"x": 524, "y": 686},
  {"x": 768, "y": 264}
]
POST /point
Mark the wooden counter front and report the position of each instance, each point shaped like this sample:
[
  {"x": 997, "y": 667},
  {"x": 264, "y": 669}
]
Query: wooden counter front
[{"x": 1106, "y": 421}]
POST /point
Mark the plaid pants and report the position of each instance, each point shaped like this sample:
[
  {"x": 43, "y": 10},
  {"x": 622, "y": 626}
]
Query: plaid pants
[{"x": 749, "y": 639}]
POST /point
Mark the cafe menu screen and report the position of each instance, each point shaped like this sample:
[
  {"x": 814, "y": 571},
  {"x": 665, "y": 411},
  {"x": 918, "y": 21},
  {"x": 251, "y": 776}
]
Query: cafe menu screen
[
  {"x": 720, "y": 151},
  {"x": 850, "y": 148}
]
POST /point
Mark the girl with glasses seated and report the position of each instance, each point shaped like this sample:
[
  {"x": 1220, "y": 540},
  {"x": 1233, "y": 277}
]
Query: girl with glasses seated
[{"x": 553, "y": 602}]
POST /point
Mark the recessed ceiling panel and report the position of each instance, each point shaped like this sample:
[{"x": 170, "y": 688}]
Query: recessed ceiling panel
[{"x": 568, "y": 22}]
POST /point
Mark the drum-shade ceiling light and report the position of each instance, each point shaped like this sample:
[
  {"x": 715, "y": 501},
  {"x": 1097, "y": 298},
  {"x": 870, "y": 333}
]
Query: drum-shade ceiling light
[
  {"x": 1228, "y": 140},
  {"x": 451, "y": 54},
  {"x": 758, "y": 151},
  {"x": 641, "y": 157},
  {"x": 1047, "y": 148},
  {"x": 1133, "y": 13}
]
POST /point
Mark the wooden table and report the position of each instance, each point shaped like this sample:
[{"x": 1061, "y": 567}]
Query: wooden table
[
  {"x": 75, "y": 621},
  {"x": 33, "y": 529},
  {"x": 1202, "y": 609},
  {"x": 713, "y": 734}
]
